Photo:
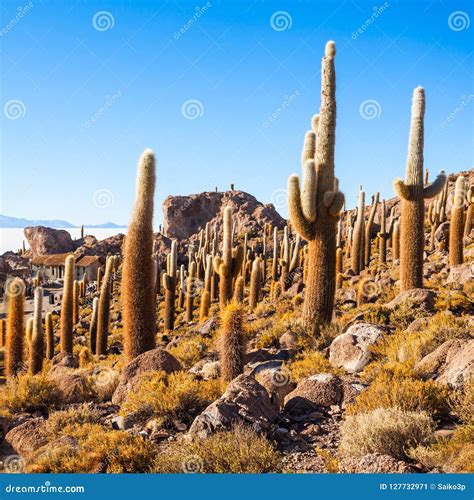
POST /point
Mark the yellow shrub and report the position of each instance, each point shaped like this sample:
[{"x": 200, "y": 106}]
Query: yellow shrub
[
  {"x": 239, "y": 450},
  {"x": 310, "y": 363},
  {"x": 190, "y": 350}
]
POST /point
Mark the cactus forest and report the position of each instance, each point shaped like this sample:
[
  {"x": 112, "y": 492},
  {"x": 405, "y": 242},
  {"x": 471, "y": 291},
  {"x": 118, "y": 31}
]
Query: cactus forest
[{"x": 338, "y": 340}]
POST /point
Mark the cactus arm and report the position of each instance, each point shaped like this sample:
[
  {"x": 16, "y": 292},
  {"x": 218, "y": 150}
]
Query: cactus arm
[
  {"x": 435, "y": 187},
  {"x": 328, "y": 198},
  {"x": 237, "y": 260},
  {"x": 315, "y": 123},
  {"x": 336, "y": 205},
  {"x": 296, "y": 253},
  {"x": 308, "y": 193},
  {"x": 294, "y": 207},
  {"x": 309, "y": 147},
  {"x": 402, "y": 190},
  {"x": 216, "y": 263}
]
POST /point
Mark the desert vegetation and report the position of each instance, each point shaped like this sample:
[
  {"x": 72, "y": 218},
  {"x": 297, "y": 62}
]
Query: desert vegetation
[{"x": 337, "y": 341}]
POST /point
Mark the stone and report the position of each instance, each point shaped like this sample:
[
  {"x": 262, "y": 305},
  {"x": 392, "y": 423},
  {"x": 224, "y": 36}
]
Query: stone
[
  {"x": 65, "y": 360},
  {"x": 416, "y": 298},
  {"x": 316, "y": 392},
  {"x": 46, "y": 240},
  {"x": 73, "y": 386},
  {"x": 373, "y": 463},
  {"x": 244, "y": 401},
  {"x": 418, "y": 325},
  {"x": 208, "y": 326},
  {"x": 275, "y": 378},
  {"x": 461, "y": 274},
  {"x": 261, "y": 355},
  {"x": 154, "y": 360},
  {"x": 289, "y": 340},
  {"x": 27, "y": 437},
  {"x": 452, "y": 363},
  {"x": 351, "y": 350}
]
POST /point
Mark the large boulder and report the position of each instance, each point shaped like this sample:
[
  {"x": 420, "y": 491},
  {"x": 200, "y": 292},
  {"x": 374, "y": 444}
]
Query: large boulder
[
  {"x": 27, "y": 437},
  {"x": 46, "y": 240},
  {"x": 351, "y": 350},
  {"x": 320, "y": 391},
  {"x": 275, "y": 378},
  {"x": 184, "y": 216},
  {"x": 452, "y": 363},
  {"x": 154, "y": 360},
  {"x": 245, "y": 401},
  {"x": 415, "y": 298},
  {"x": 73, "y": 386}
]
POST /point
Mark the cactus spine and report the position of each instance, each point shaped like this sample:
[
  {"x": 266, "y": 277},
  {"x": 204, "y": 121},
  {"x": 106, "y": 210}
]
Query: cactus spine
[
  {"x": 75, "y": 302},
  {"x": 276, "y": 255},
  {"x": 456, "y": 227},
  {"x": 67, "y": 307},
  {"x": 137, "y": 269},
  {"x": 232, "y": 342},
  {"x": 37, "y": 338},
  {"x": 169, "y": 284},
  {"x": 412, "y": 194},
  {"x": 103, "y": 310},
  {"x": 14, "y": 342}
]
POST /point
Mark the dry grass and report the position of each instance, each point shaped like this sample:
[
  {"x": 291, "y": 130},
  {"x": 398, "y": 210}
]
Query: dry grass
[
  {"x": 389, "y": 431},
  {"x": 190, "y": 350},
  {"x": 309, "y": 363}
]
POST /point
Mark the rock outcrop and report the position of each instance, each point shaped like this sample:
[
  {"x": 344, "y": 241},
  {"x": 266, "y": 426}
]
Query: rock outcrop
[{"x": 46, "y": 240}]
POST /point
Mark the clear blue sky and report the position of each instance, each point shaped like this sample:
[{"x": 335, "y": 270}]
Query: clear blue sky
[{"x": 95, "y": 89}]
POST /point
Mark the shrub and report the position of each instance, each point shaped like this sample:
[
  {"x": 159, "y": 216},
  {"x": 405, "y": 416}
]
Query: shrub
[
  {"x": 405, "y": 393},
  {"x": 239, "y": 450},
  {"x": 190, "y": 350},
  {"x": 308, "y": 363},
  {"x": 28, "y": 393},
  {"x": 390, "y": 431},
  {"x": 168, "y": 397}
]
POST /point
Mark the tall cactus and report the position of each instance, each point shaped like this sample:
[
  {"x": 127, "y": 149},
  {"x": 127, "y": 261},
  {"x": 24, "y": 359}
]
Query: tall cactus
[
  {"x": 456, "y": 226},
  {"x": 169, "y": 284},
  {"x": 255, "y": 283},
  {"x": 357, "y": 253},
  {"x": 383, "y": 235},
  {"x": 93, "y": 326},
  {"x": 15, "y": 292},
  {"x": 232, "y": 342},
  {"x": 67, "y": 307},
  {"x": 412, "y": 194},
  {"x": 368, "y": 229},
  {"x": 103, "y": 312},
  {"x": 48, "y": 324},
  {"x": 470, "y": 211},
  {"x": 276, "y": 255},
  {"x": 191, "y": 288},
  {"x": 3, "y": 332},
  {"x": 396, "y": 241},
  {"x": 37, "y": 338},
  {"x": 315, "y": 215},
  {"x": 138, "y": 296}
]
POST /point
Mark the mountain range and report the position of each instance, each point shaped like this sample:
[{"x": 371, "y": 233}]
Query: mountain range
[{"x": 14, "y": 222}]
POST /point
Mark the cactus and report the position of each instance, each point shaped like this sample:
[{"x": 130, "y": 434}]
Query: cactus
[
  {"x": 15, "y": 292},
  {"x": 169, "y": 284},
  {"x": 37, "y": 338},
  {"x": 357, "y": 252},
  {"x": 67, "y": 307},
  {"x": 383, "y": 236},
  {"x": 276, "y": 255},
  {"x": 456, "y": 227},
  {"x": 368, "y": 228},
  {"x": 433, "y": 219},
  {"x": 232, "y": 342},
  {"x": 339, "y": 268},
  {"x": 103, "y": 309},
  {"x": 255, "y": 283},
  {"x": 315, "y": 218},
  {"x": 3, "y": 332},
  {"x": 238, "y": 296},
  {"x": 190, "y": 292},
  {"x": 204, "y": 306},
  {"x": 100, "y": 273},
  {"x": 396, "y": 241},
  {"x": 75, "y": 302},
  {"x": 85, "y": 357},
  {"x": 93, "y": 325},
  {"x": 49, "y": 335},
  {"x": 182, "y": 287},
  {"x": 138, "y": 298},
  {"x": 469, "y": 212},
  {"x": 412, "y": 194},
  {"x": 285, "y": 260}
]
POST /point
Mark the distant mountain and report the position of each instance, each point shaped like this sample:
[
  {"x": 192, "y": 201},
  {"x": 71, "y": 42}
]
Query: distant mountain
[{"x": 14, "y": 222}]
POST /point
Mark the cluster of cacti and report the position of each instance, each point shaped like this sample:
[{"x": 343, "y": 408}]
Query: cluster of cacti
[
  {"x": 138, "y": 299},
  {"x": 315, "y": 209},
  {"x": 232, "y": 342},
  {"x": 412, "y": 194},
  {"x": 67, "y": 307}
]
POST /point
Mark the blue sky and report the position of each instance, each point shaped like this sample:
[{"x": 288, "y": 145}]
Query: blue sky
[{"x": 222, "y": 91}]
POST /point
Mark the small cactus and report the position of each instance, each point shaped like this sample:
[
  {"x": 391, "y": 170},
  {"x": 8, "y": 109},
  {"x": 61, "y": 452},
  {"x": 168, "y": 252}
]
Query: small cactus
[
  {"x": 357, "y": 253},
  {"x": 456, "y": 227},
  {"x": 255, "y": 283},
  {"x": 15, "y": 292},
  {"x": 48, "y": 324},
  {"x": 238, "y": 296},
  {"x": 103, "y": 312},
  {"x": 67, "y": 307},
  {"x": 37, "y": 338},
  {"x": 339, "y": 268},
  {"x": 232, "y": 342},
  {"x": 93, "y": 325},
  {"x": 169, "y": 284}
]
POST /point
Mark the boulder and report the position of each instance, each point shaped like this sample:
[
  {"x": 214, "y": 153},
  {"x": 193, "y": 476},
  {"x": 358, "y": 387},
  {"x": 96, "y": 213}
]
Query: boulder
[
  {"x": 289, "y": 340},
  {"x": 275, "y": 378},
  {"x": 73, "y": 386},
  {"x": 46, "y": 240},
  {"x": 184, "y": 216},
  {"x": 261, "y": 355},
  {"x": 154, "y": 360},
  {"x": 244, "y": 401},
  {"x": 319, "y": 391},
  {"x": 65, "y": 360},
  {"x": 416, "y": 298},
  {"x": 461, "y": 274},
  {"x": 452, "y": 363},
  {"x": 373, "y": 463},
  {"x": 351, "y": 350},
  {"x": 27, "y": 437},
  {"x": 442, "y": 234}
]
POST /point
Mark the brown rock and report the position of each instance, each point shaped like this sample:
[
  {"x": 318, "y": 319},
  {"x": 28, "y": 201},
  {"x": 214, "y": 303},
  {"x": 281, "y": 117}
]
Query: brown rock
[
  {"x": 461, "y": 274},
  {"x": 27, "y": 437},
  {"x": 73, "y": 386},
  {"x": 276, "y": 379},
  {"x": 416, "y": 298},
  {"x": 289, "y": 340},
  {"x": 46, "y": 240},
  {"x": 65, "y": 360},
  {"x": 154, "y": 360}
]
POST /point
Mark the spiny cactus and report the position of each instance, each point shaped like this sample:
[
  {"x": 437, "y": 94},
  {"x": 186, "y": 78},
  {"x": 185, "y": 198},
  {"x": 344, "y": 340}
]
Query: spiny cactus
[
  {"x": 48, "y": 325},
  {"x": 103, "y": 312},
  {"x": 456, "y": 226},
  {"x": 383, "y": 235},
  {"x": 315, "y": 217},
  {"x": 191, "y": 289},
  {"x": 232, "y": 342},
  {"x": 470, "y": 211},
  {"x": 276, "y": 256},
  {"x": 3, "y": 332},
  {"x": 37, "y": 338},
  {"x": 412, "y": 194},
  {"x": 357, "y": 252},
  {"x": 67, "y": 307},
  {"x": 169, "y": 284},
  {"x": 339, "y": 268},
  {"x": 396, "y": 241},
  {"x": 138, "y": 298},
  {"x": 100, "y": 273},
  {"x": 15, "y": 292},
  {"x": 238, "y": 290},
  {"x": 255, "y": 283},
  {"x": 204, "y": 306},
  {"x": 368, "y": 228},
  {"x": 433, "y": 219},
  {"x": 75, "y": 302},
  {"x": 93, "y": 325},
  {"x": 182, "y": 287}
]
